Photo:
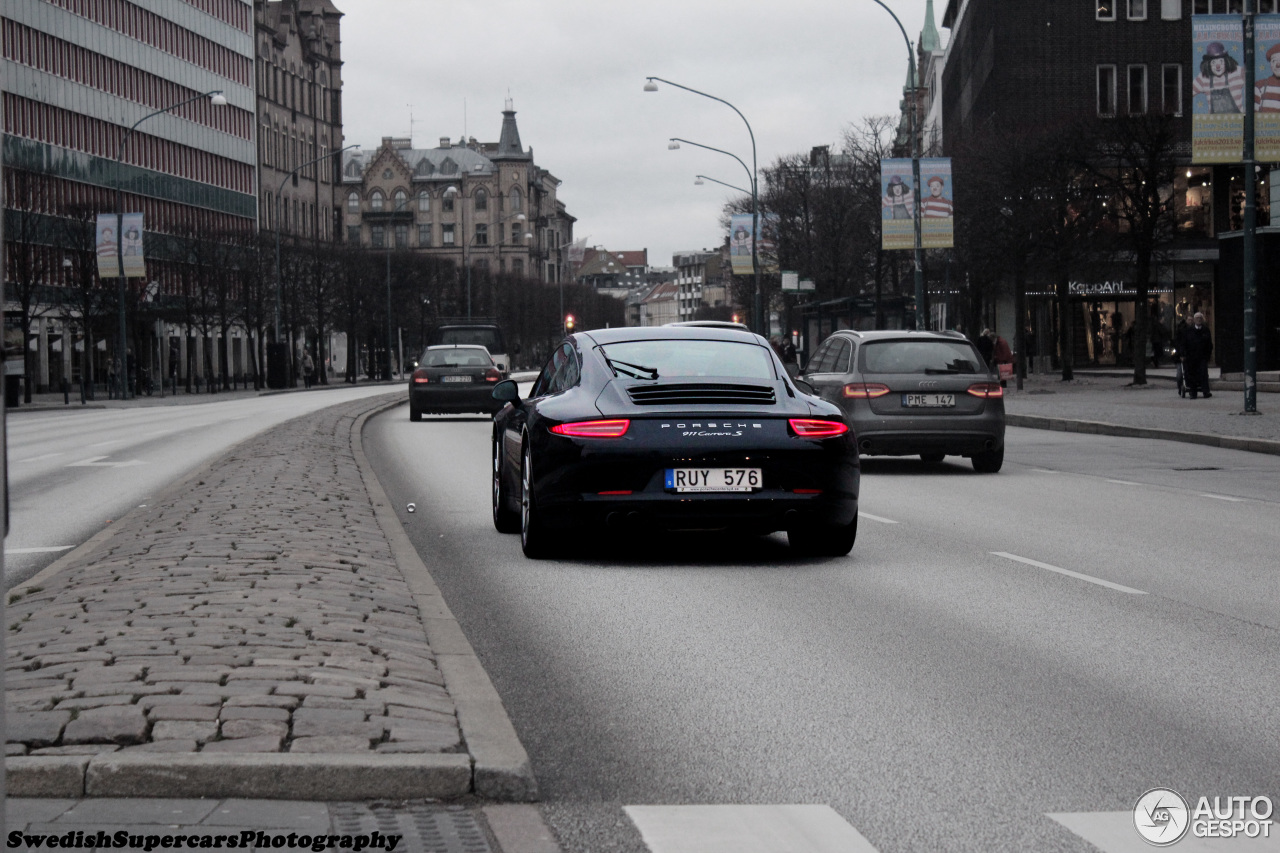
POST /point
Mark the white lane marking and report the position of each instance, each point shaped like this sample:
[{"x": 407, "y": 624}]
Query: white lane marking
[
  {"x": 158, "y": 433},
  {"x": 49, "y": 550},
  {"x": 1124, "y": 482},
  {"x": 1068, "y": 573},
  {"x": 96, "y": 462},
  {"x": 1223, "y": 498},
  {"x": 1044, "y": 471},
  {"x": 871, "y": 517},
  {"x": 746, "y": 829},
  {"x": 38, "y": 458},
  {"x": 1113, "y": 832}
]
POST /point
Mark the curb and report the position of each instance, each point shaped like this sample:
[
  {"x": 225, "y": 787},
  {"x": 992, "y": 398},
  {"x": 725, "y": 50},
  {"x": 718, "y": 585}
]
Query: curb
[
  {"x": 1252, "y": 445},
  {"x": 501, "y": 765},
  {"x": 496, "y": 765}
]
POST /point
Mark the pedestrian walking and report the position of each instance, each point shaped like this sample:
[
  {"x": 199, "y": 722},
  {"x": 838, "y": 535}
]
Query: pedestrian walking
[
  {"x": 1195, "y": 346},
  {"x": 1002, "y": 353},
  {"x": 308, "y": 369},
  {"x": 986, "y": 344}
]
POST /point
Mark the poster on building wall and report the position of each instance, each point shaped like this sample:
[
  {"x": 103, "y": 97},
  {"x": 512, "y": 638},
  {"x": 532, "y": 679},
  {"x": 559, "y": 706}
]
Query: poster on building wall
[
  {"x": 1266, "y": 92},
  {"x": 897, "y": 205},
  {"x": 135, "y": 265},
  {"x": 1217, "y": 92},
  {"x": 937, "y": 205},
  {"x": 740, "y": 243}
]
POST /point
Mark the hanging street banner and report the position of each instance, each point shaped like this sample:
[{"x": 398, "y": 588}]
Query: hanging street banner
[
  {"x": 937, "y": 208},
  {"x": 1217, "y": 93},
  {"x": 897, "y": 206},
  {"x": 109, "y": 242},
  {"x": 1266, "y": 92},
  {"x": 740, "y": 243}
]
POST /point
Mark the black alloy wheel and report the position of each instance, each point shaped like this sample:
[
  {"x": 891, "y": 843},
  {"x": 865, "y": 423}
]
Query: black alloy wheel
[
  {"x": 505, "y": 519},
  {"x": 534, "y": 540},
  {"x": 823, "y": 541}
]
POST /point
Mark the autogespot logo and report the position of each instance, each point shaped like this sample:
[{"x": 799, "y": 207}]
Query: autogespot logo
[{"x": 1161, "y": 817}]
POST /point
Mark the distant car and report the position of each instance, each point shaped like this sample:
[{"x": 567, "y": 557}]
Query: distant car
[
  {"x": 669, "y": 428},
  {"x": 453, "y": 379},
  {"x": 487, "y": 335},
  {"x": 712, "y": 324},
  {"x": 906, "y": 393}
]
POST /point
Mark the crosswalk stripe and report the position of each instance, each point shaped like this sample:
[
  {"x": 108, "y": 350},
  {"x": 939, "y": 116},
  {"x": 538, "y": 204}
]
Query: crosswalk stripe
[{"x": 746, "y": 829}]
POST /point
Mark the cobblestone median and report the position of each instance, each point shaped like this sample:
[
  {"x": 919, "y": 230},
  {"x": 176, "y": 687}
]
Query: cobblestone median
[{"x": 260, "y": 611}]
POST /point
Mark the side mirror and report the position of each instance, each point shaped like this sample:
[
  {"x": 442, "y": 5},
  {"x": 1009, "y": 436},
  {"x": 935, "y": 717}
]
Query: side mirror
[
  {"x": 805, "y": 387},
  {"x": 506, "y": 391}
]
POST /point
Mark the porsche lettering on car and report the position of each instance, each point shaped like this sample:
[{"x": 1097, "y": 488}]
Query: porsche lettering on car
[{"x": 671, "y": 428}]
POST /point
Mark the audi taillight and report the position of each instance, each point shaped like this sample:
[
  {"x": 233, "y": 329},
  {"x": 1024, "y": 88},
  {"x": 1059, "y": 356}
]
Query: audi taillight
[
  {"x": 865, "y": 390},
  {"x": 493, "y": 375},
  {"x": 986, "y": 390},
  {"x": 593, "y": 429},
  {"x": 420, "y": 377},
  {"x": 814, "y": 428}
]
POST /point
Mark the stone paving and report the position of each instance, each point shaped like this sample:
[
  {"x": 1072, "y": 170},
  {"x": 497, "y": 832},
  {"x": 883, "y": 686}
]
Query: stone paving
[{"x": 257, "y": 610}]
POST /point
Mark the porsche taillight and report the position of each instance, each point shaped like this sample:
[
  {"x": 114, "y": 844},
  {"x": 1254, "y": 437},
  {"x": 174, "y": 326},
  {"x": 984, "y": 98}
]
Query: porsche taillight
[
  {"x": 815, "y": 428},
  {"x": 593, "y": 429},
  {"x": 986, "y": 390},
  {"x": 865, "y": 390}
]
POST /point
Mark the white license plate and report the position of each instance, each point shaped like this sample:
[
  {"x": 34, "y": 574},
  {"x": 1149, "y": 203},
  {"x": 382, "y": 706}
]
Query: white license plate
[
  {"x": 456, "y": 379},
  {"x": 928, "y": 401},
  {"x": 713, "y": 479}
]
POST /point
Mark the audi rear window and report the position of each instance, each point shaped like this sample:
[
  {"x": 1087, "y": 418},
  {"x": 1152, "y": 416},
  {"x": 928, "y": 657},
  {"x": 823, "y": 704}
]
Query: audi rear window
[
  {"x": 920, "y": 357},
  {"x": 689, "y": 358},
  {"x": 456, "y": 358}
]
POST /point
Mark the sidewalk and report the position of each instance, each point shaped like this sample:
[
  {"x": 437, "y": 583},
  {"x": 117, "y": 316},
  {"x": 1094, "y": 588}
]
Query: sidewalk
[
  {"x": 1107, "y": 404},
  {"x": 47, "y": 401},
  {"x": 263, "y": 630}
]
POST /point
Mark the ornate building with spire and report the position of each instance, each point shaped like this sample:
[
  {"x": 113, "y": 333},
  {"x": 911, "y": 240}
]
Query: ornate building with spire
[
  {"x": 921, "y": 92},
  {"x": 484, "y": 204}
]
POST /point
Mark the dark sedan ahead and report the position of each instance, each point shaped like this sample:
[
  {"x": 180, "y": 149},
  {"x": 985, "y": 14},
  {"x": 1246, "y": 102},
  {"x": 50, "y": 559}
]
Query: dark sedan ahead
[
  {"x": 453, "y": 379},
  {"x": 670, "y": 428}
]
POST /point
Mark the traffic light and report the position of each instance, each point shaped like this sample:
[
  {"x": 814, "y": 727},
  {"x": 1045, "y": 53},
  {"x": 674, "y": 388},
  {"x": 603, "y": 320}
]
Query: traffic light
[{"x": 568, "y": 323}]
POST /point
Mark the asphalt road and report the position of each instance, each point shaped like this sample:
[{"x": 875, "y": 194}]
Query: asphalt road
[
  {"x": 73, "y": 470},
  {"x": 935, "y": 689}
]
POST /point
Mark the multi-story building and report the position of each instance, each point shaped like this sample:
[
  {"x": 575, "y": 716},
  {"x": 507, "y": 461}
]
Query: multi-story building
[
  {"x": 615, "y": 274},
  {"x": 299, "y": 109},
  {"x": 484, "y": 204},
  {"x": 701, "y": 279},
  {"x": 77, "y": 75},
  {"x": 1041, "y": 67}
]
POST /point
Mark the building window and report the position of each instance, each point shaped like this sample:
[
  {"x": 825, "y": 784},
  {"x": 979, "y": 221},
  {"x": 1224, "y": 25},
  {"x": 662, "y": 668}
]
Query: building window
[
  {"x": 1219, "y": 7},
  {"x": 446, "y": 235},
  {"x": 1137, "y": 90},
  {"x": 482, "y": 234},
  {"x": 517, "y": 266},
  {"x": 446, "y": 204},
  {"x": 517, "y": 234},
  {"x": 481, "y": 199},
  {"x": 376, "y": 200},
  {"x": 402, "y": 236},
  {"x": 377, "y": 238},
  {"x": 1137, "y": 10},
  {"x": 353, "y": 202},
  {"x": 424, "y": 201},
  {"x": 1106, "y": 10},
  {"x": 1106, "y": 90},
  {"x": 1172, "y": 87},
  {"x": 402, "y": 200},
  {"x": 424, "y": 234},
  {"x": 516, "y": 200},
  {"x": 353, "y": 235},
  {"x": 1170, "y": 10}
]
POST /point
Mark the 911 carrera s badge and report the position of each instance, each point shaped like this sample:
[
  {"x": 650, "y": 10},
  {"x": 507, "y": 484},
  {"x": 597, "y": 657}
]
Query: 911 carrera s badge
[{"x": 708, "y": 429}]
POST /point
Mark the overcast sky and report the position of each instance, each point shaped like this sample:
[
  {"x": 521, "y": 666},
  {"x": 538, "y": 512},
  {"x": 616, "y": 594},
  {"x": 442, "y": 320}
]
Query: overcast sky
[{"x": 801, "y": 72}]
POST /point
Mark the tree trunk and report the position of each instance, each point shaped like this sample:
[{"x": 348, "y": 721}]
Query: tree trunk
[
  {"x": 1066, "y": 353},
  {"x": 1019, "y": 316},
  {"x": 1140, "y": 315}
]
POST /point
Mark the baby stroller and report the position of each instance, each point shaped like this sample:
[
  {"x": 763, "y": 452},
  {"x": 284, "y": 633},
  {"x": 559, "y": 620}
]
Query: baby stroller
[{"x": 1178, "y": 373}]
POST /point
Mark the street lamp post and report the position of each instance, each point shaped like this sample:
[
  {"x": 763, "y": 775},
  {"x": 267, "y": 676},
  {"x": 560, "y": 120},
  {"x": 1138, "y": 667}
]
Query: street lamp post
[
  {"x": 700, "y": 180},
  {"x": 216, "y": 99},
  {"x": 652, "y": 86},
  {"x": 915, "y": 170},
  {"x": 1249, "y": 283}
]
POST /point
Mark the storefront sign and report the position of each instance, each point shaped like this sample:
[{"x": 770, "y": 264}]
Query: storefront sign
[{"x": 1095, "y": 288}]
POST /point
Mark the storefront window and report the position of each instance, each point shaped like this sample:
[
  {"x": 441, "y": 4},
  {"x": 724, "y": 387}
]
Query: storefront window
[{"x": 1194, "y": 189}]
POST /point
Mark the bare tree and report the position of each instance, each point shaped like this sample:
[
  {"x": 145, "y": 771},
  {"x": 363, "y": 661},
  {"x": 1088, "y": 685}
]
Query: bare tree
[{"x": 30, "y": 255}]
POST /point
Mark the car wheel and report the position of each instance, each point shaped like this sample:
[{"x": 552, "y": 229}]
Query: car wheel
[
  {"x": 988, "y": 462},
  {"x": 415, "y": 414},
  {"x": 533, "y": 535},
  {"x": 826, "y": 541},
  {"x": 505, "y": 519},
  {"x": 932, "y": 458}
]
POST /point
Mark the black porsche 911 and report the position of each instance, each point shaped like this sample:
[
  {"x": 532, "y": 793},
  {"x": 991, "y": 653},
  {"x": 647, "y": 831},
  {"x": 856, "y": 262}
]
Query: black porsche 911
[{"x": 671, "y": 428}]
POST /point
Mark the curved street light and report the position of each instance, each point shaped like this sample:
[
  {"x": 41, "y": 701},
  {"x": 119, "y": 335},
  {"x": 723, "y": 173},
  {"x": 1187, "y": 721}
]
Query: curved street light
[
  {"x": 699, "y": 180},
  {"x": 651, "y": 85},
  {"x": 217, "y": 99}
]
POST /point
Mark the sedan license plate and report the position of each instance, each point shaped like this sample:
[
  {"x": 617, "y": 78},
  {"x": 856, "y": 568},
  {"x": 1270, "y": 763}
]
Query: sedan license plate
[
  {"x": 928, "y": 401},
  {"x": 713, "y": 479},
  {"x": 456, "y": 379}
]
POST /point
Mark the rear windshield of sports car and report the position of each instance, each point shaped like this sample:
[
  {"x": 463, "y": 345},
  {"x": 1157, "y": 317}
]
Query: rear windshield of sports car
[
  {"x": 921, "y": 357},
  {"x": 660, "y": 359},
  {"x": 459, "y": 357}
]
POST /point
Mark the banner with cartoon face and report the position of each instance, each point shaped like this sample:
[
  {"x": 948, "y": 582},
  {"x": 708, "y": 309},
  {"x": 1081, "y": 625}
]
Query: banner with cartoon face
[
  {"x": 1266, "y": 89},
  {"x": 1217, "y": 92},
  {"x": 937, "y": 203},
  {"x": 740, "y": 242},
  {"x": 897, "y": 205}
]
